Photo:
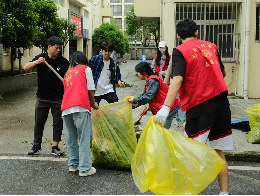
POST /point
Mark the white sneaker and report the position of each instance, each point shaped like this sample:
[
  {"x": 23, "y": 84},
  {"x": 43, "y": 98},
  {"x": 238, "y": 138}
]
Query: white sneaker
[
  {"x": 223, "y": 193},
  {"x": 89, "y": 172},
  {"x": 71, "y": 169}
]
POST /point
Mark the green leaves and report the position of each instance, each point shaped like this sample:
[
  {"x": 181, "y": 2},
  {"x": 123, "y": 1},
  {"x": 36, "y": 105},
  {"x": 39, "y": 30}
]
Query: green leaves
[
  {"x": 112, "y": 33},
  {"x": 18, "y": 22},
  {"x": 24, "y": 23},
  {"x": 142, "y": 30}
]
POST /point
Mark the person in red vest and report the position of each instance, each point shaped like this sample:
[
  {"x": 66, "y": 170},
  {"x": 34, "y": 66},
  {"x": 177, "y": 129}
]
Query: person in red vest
[
  {"x": 198, "y": 75},
  {"x": 155, "y": 92},
  {"x": 76, "y": 106},
  {"x": 161, "y": 60}
]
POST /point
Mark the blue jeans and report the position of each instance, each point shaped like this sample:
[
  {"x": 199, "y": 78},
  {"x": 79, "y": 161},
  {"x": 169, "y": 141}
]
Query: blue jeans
[
  {"x": 170, "y": 117},
  {"x": 180, "y": 115},
  {"x": 78, "y": 126}
]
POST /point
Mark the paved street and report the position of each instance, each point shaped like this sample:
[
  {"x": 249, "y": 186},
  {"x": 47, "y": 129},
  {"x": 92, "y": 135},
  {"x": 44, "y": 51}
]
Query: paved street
[{"x": 43, "y": 174}]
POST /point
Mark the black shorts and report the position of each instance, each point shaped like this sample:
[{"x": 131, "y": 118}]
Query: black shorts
[{"x": 213, "y": 129}]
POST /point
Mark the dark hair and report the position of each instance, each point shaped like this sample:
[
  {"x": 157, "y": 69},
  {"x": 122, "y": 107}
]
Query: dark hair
[
  {"x": 186, "y": 28},
  {"x": 54, "y": 40},
  {"x": 159, "y": 55},
  {"x": 143, "y": 68},
  {"x": 78, "y": 58},
  {"x": 107, "y": 46}
]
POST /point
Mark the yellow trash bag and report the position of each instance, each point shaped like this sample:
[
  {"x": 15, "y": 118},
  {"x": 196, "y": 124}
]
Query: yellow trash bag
[
  {"x": 253, "y": 113},
  {"x": 168, "y": 163},
  {"x": 114, "y": 140}
]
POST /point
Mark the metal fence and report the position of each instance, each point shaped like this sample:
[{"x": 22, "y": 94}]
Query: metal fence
[{"x": 217, "y": 23}]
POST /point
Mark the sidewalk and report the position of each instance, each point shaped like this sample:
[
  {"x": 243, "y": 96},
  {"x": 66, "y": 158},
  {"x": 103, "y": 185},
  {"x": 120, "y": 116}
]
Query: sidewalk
[{"x": 17, "y": 119}]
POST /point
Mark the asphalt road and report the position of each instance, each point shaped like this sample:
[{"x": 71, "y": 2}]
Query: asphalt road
[{"x": 21, "y": 176}]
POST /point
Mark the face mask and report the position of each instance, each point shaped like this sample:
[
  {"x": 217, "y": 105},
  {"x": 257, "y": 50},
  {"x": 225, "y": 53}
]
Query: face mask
[{"x": 162, "y": 50}]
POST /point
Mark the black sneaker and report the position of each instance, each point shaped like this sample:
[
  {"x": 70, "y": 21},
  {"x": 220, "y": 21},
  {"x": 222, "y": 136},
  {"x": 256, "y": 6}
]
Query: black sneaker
[
  {"x": 35, "y": 149},
  {"x": 56, "y": 151}
]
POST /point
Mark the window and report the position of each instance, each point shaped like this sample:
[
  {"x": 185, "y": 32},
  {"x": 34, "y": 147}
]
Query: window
[
  {"x": 75, "y": 9},
  {"x": 115, "y": 1},
  {"x": 59, "y": 2},
  {"x": 129, "y": 1},
  {"x": 119, "y": 21},
  {"x": 117, "y": 10},
  {"x": 85, "y": 14},
  {"x": 216, "y": 23},
  {"x": 127, "y": 9},
  {"x": 257, "y": 35}
]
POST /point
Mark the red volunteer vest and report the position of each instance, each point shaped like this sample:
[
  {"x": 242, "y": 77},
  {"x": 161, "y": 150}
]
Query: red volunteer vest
[
  {"x": 75, "y": 89},
  {"x": 165, "y": 67},
  {"x": 203, "y": 78},
  {"x": 157, "y": 102}
]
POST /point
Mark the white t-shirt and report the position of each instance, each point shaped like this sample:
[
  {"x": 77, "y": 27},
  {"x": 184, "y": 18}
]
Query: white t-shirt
[
  {"x": 91, "y": 86},
  {"x": 104, "y": 85}
]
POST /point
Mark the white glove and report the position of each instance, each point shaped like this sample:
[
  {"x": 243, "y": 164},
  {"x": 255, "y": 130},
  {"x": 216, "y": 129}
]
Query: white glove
[{"x": 162, "y": 114}]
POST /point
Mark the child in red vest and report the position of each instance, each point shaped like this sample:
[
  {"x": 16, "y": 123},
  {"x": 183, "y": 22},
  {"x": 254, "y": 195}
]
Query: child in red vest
[
  {"x": 76, "y": 106},
  {"x": 154, "y": 93}
]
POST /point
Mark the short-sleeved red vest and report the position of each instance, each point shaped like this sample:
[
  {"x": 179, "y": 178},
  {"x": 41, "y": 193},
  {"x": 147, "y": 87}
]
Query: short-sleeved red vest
[
  {"x": 157, "y": 67},
  {"x": 75, "y": 89},
  {"x": 156, "y": 104},
  {"x": 203, "y": 77}
]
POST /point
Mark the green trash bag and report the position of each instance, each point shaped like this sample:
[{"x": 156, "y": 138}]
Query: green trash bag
[
  {"x": 114, "y": 139},
  {"x": 253, "y": 113}
]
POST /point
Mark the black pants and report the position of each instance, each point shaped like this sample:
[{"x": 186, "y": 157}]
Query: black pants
[
  {"x": 109, "y": 97},
  {"x": 42, "y": 108}
]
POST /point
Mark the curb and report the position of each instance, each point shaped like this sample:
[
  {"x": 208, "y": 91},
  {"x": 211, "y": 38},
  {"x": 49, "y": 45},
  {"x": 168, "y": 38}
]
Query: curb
[{"x": 246, "y": 156}]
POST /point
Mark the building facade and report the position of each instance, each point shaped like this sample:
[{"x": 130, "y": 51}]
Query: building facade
[
  {"x": 120, "y": 9},
  {"x": 86, "y": 14},
  {"x": 232, "y": 25}
]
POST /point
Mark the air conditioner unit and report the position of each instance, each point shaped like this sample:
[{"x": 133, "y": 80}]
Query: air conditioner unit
[{"x": 86, "y": 33}]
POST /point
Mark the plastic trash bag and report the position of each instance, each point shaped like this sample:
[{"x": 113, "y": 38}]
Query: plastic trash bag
[
  {"x": 253, "y": 113},
  {"x": 166, "y": 162},
  {"x": 114, "y": 140}
]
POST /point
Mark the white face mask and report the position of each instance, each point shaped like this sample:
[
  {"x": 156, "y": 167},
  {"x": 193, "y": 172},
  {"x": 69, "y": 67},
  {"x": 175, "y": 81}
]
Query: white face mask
[{"x": 162, "y": 50}]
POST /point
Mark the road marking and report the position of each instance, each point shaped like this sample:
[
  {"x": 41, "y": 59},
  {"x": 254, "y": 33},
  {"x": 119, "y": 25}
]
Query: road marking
[
  {"x": 34, "y": 158},
  {"x": 248, "y": 168}
]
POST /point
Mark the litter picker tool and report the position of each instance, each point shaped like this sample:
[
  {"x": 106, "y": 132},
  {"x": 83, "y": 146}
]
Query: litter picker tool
[
  {"x": 58, "y": 75},
  {"x": 144, "y": 111},
  {"x": 122, "y": 90}
]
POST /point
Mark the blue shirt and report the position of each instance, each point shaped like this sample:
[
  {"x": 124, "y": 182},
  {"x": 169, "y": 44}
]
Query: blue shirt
[{"x": 96, "y": 64}]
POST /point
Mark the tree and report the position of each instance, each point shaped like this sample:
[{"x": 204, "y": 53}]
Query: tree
[
  {"x": 2, "y": 5},
  {"x": 142, "y": 30},
  {"x": 109, "y": 32},
  {"x": 48, "y": 23},
  {"x": 18, "y": 25},
  {"x": 68, "y": 32}
]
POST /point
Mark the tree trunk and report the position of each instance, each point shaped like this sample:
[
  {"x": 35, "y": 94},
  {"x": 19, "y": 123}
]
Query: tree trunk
[
  {"x": 13, "y": 53},
  {"x": 20, "y": 62}
]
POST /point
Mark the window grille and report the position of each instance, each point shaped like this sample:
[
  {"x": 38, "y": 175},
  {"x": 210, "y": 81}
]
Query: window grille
[
  {"x": 115, "y": 1},
  {"x": 129, "y": 1},
  {"x": 119, "y": 21},
  {"x": 117, "y": 10},
  {"x": 59, "y": 2},
  {"x": 217, "y": 23},
  {"x": 127, "y": 9}
]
